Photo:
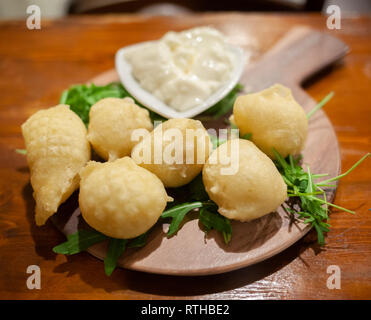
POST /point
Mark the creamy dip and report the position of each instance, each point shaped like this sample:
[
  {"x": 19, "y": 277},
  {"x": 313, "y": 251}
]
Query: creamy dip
[{"x": 183, "y": 68}]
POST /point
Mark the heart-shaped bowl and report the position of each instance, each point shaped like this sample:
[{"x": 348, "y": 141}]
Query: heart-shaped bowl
[{"x": 150, "y": 101}]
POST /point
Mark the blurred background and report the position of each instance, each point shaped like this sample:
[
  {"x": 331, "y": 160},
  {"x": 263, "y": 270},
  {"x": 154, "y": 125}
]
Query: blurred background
[{"x": 16, "y": 9}]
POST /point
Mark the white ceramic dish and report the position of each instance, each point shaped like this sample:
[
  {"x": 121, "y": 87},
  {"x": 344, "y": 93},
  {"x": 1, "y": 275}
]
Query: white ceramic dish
[{"x": 150, "y": 101}]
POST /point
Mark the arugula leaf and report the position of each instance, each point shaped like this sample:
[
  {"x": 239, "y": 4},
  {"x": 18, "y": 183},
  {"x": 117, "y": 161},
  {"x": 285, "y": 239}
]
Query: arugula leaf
[
  {"x": 197, "y": 190},
  {"x": 347, "y": 172},
  {"x": 139, "y": 241},
  {"x": 83, "y": 239},
  {"x": 320, "y": 104},
  {"x": 177, "y": 213},
  {"x": 208, "y": 216},
  {"x": 21, "y": 151},
  {"x": 300, "y": 184},
  {"x": 247, "y": 136},
  {"x": 214, "y": 220},
  {"x": 226, "y": 104},
  {"x": 313, "y": 202},
  {"x": 81, "y": 97},
  {"x": 115, "y": 250},
  {"x": 79, "y": 241}
]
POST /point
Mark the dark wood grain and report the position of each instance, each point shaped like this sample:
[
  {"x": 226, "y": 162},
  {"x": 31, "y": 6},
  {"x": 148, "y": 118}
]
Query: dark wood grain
[{"x": 38, "y": 65}]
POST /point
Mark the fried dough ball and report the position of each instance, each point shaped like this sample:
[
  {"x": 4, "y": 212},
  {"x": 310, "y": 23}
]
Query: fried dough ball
[
  {"x": 120, "y": 199},
  {"x": 57, "y": 149},
  {"x": 256, "y": 188},
  {"x": 185, "y": 148},
  {"x": 274, "y": 119},
  {"x": 112, "y": 121}
]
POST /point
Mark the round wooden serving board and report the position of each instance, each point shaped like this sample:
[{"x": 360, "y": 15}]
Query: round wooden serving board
[{"x": 299, "y": 54}]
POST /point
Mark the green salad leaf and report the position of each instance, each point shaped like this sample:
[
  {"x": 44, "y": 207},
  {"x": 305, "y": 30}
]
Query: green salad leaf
[
  {"x": 115, "y": 249},
  {"x": 196, "y": 189},
  {"x": 320, "y": 104},
  {"x": 83, "y": 239},
  {"x": 21, "y": 151},
  {"x": 247, "y": 136},
  {"x": 177, "y": 214},
  {"x": 79, "y": 241},
  {"x": 81, "y": 97},
  {"x": 301, "y": 184},
  {"x": 139, "y": 241},
  {"x": 211, "y": 219},
  {"x": 208, "y": 215}
]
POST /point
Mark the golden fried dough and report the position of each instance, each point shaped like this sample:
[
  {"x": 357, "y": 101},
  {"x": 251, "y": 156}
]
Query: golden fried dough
[
  {"x": 274, "y": 119},
  {"x": 254, "y": 190},
  {"x": 112, "y": 121},
  {"x": 184, "y": 146},
  {"x": 57, "y": 148},
  {"x": 120, "y": 199}
]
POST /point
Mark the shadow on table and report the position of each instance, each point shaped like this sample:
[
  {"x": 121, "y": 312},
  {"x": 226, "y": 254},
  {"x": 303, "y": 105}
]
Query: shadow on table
[{"x": 41, "y": 236}]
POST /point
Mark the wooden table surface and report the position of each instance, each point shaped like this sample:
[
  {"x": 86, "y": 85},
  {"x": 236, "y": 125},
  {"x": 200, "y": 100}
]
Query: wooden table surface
[{"x": 36, "y": 65}]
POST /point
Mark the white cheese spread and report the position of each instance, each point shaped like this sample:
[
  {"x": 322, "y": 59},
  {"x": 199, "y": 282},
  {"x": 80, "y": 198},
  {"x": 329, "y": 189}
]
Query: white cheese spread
[{"x": 183, "y": 68}]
